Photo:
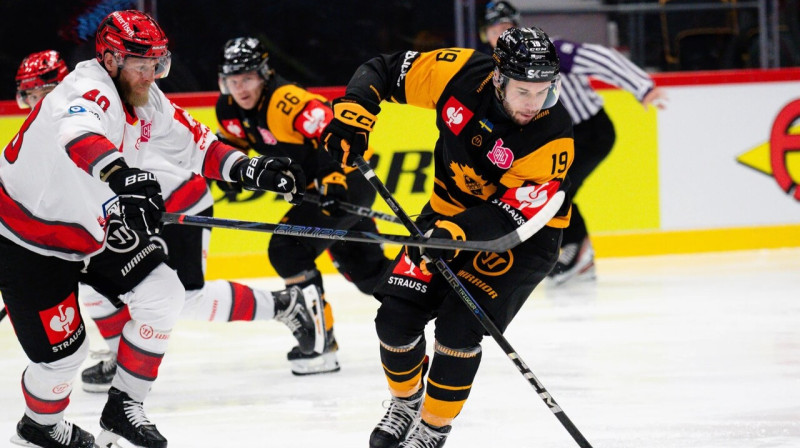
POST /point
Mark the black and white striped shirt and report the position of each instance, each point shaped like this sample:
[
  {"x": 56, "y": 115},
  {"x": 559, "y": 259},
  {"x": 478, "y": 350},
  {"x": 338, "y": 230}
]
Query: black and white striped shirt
[{"x": 579, "y": 61}]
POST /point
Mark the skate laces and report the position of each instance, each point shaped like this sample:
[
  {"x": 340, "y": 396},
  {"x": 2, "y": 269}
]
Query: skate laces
[
  {"x": 399, "y": 416},
  {"x": 134, "y": 411},
  {"x": 568, "y": 253},
  {"x": 423, "y": 436},
  {"x": 107, "y": 357},
  {"x": 62, "y": 432},
  {"x": 289, "y": 315}
]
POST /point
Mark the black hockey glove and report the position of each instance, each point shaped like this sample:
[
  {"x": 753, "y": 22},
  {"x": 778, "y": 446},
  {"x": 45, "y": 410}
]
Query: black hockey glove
[
  {"x": 332, "y": 191},
  {"x": 278, "y": 174},
  {"x": 420, "y": 256},
  {"x": 347, "y": 135},
  {"x": 140, "y": 201}
]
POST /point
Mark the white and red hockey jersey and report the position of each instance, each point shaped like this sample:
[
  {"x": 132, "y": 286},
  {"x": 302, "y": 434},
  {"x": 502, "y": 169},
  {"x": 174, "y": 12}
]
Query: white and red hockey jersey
[{"x": 52, "y": 200}]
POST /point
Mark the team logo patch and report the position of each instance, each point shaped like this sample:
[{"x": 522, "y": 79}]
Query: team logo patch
[
  {"x": 471, "y": 182},
  {"x": 407, "y": 268},
  {"x": 76, "y": 110},
  {"x": 501, "y": 156},
  {"x": 313, "y": 119},
  {"x": 455, "y": 115},
  {"x": 267, "y": 136},
  {"x": 234, "y": 127},
  {"x": 61, "y": 321},
  {"x": 146, "y": 131}
]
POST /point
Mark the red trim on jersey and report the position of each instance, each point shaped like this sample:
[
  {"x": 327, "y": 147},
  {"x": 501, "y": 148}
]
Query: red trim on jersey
[
  {"x": 87, "y": 149},
  {"x": 216, "y": 156},
  {"x": 313, "y": 119},
  {"x": 187, "y": 194},
  {"x": 54, "y": 235},
  {"x": 137, "y": 362},
  {"x": 111, "y": 326},
  {"x": 40, "y": 406},
  {"x": 244, "y": 303}
]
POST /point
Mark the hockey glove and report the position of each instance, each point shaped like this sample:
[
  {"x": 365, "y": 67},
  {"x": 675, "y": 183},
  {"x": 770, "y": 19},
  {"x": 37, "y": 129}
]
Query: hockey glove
[
  {"x": 140, "y": 201},
  {"x": 332, "y": 191},
  {"x": 278, "y": 174},
  {"x": 347, "y": 135},
  {"x": 420, "y": 256}
]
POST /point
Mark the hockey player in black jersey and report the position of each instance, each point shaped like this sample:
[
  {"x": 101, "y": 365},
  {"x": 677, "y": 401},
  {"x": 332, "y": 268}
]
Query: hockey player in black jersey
[
  {"x": 260, "y": 110},
  {"x": 505, "y": 145}
]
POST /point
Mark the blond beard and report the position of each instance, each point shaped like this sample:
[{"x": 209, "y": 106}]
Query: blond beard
[{"x": 130, "y": 97}]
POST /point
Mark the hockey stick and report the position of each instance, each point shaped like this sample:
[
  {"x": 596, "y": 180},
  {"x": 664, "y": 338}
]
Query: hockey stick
[
  {"x": 501, "y": 244},
  {"x": 356, "y": 209},
  {"x": 473, "y": 305},
  {"x": 3, "y": 313}
]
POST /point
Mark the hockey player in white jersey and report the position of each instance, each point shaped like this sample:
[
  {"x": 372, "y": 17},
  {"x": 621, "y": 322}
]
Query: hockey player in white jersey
[{"x": 75, "y": 207}]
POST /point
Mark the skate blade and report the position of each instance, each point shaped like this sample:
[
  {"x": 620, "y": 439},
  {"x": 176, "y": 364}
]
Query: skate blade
[
  {"x": 315, "y": 306},
  {"x": 17, "y": 440},
  {"x": 326, "y": 363},
  {"x": 108, "y": 439}
]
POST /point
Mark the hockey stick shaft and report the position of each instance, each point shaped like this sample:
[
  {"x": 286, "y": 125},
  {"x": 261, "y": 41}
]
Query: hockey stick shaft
[
  {"x": 354, "y": 209},
  {"x": 331, "y": 234},
  {"x": 476, "y": 309}
]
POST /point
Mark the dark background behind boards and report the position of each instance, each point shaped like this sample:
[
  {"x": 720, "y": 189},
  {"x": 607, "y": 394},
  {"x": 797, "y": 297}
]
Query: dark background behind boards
[{"x": 312, "y": 42}]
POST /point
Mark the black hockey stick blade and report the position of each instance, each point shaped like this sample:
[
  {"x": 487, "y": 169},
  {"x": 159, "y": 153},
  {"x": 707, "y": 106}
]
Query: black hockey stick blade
[
  {"x": 501, "y": 244},
  {"x": 354, "y": 209}
]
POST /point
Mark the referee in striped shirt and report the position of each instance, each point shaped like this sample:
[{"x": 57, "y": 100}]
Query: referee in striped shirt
[{"x": 594, "y": 132}]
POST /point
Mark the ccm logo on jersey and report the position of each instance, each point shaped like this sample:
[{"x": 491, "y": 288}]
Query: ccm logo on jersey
[
  {"x": 140, "y": 177},
  {"x": 455, "y": 115}
]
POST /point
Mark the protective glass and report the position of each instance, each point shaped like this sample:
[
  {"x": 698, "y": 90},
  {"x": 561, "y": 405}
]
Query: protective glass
[
  {"x": 29, "y": 98},
  {"x": 158, "y": 67}
]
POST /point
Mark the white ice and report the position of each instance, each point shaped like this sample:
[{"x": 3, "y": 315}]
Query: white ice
[{"x": 667, "y": 351}]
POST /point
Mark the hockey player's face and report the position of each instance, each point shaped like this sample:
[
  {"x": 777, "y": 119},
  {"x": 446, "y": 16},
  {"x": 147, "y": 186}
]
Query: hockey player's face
[
  {"x": 245, "y": 88},
  {"x": 32, "y": 96},
  {"x": 135, "y": 79},
  {"x": 523, "y": 100}
]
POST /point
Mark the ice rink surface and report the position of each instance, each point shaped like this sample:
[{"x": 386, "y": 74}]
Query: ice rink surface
[{"x": 667, "y": 351}]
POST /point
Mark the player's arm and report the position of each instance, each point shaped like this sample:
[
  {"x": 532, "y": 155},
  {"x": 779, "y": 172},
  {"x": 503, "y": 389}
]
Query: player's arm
[{"x": 407, "y": 77}]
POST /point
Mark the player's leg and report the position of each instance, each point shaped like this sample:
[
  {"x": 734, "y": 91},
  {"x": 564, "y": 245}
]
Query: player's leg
[
  {"x": 294, "y": 259},
  {"x": 594, "y": 139},
  {"x": 500, "y": 283},
  {"x": 136, "y": 275},
  {"x": 408, "y": 300},
  {"x": 40, "y": 294},
  {"x": 225, "y": 301}
]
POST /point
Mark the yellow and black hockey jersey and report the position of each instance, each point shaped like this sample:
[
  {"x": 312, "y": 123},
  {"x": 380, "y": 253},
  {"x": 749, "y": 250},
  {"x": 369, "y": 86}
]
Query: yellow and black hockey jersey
[
  {"x": 491, "y": 175},
  {"x": 286, "y": 122}
]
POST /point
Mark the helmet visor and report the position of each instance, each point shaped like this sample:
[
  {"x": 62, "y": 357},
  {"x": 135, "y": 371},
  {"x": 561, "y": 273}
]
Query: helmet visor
[
  {"x": 158, "y": 67},
  {"x": 29, "y": 98}
]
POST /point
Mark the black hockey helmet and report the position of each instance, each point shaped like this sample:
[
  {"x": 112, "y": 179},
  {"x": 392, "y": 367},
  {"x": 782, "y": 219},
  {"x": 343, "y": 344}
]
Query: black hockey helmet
[
  {"x": 242, "y": 55},
  {"x": 528, "y": 54},
  {"x": 499, "y": 12}
]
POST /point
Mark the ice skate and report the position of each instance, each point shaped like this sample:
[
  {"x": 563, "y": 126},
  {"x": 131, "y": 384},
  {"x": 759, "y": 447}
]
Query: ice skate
[
  {"x": 97, "y": 378},
  {"x": 315, "y": 363},
  {"x": 576, "y": 262},
  {"x": 397, "y": 422},
  {"x": 61, "y": 435},
  {"x": 426, "y": 436},
  {"x": 301, "y": 311},
  {"x": 124, "y": 418}
]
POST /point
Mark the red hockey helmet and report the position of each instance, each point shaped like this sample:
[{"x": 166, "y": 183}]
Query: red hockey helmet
[
  {"x": 39, "y": 72},
  {"x": 133, "y": 34}
]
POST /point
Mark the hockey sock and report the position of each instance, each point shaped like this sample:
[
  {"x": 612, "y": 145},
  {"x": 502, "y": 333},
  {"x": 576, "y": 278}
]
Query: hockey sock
[
  {"x": 403, "y": 367},
  {"x": 47, "y": 386},
  {"x": 141, "y": 350},
  {"x": 449, "y": 383},
  {"x": 224, "y": 301}
]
